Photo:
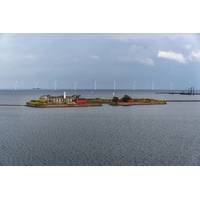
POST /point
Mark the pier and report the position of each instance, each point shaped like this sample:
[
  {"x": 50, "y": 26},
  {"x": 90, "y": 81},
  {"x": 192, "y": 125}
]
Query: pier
[
  {"x": 11, "y": 105},
  {"x": 184, "y": 100}
]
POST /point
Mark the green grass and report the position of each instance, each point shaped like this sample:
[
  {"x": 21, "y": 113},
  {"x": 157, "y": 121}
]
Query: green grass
[
  {"x": 101, "y": 101},
  {"x": 36, "y": 102},
  {"x": 149, "y": 100}
]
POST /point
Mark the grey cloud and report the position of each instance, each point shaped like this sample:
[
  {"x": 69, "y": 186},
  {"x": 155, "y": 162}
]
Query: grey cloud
[{"x": 103, "y": 57}]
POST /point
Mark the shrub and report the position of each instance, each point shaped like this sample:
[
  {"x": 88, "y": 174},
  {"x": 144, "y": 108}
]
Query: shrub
[
  {"x": 126, "y": 98},
  {"x": 115, "y": 99}
]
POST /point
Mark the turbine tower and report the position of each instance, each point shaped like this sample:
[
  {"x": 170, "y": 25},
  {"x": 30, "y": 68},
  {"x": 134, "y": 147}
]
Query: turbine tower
[
  {"x": 16, "y": 84},
  {"x": 55, "y": 85},
  {"x": 75, "y": 86},
  {"x": 95, "y": 85},
  {"x": 36, "y": 84},
  {"x": 114, "y": 85},
  {"x": 134, "y": 85},
  {"x": 152, "y": 85},
  {"x": 171, "y": 86}
]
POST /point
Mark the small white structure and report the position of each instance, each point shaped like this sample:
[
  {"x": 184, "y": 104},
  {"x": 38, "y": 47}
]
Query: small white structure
[{"x": 64, "y": 95}]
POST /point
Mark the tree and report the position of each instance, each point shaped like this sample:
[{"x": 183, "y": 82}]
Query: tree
[
  {"x": 115, "y": 99},
  {"x": 126, "y": 98}
]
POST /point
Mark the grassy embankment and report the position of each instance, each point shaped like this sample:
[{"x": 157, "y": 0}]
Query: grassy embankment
[
  {"x": 37, "y": 102},
  {"x": 98, "y": 101},
  {"x": 139, "y": 102},
  {"x": 150, "y": 101},
  {"x": 44, "y": 103}
]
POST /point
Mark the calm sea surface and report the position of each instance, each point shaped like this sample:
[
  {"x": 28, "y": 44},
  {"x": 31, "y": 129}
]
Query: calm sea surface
[{"x": 138, "y": 135}]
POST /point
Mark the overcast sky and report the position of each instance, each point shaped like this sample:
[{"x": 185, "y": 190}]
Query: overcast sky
[{"x": 141, "y": 61}]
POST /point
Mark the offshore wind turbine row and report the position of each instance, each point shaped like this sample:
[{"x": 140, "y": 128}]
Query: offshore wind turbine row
[{"x": 17, "y": 85}]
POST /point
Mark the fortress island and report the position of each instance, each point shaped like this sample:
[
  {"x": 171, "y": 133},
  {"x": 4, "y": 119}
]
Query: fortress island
[{"x": 48, "y": 101}]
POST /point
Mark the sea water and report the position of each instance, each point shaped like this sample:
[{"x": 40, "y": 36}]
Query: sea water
[{"x": 109, "y": 135}]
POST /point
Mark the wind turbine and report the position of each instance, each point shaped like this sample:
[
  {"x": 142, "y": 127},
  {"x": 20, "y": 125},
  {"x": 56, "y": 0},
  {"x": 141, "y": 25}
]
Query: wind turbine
[
  {"x": 134, "y": 85},
  {"x": 75, "y": 86},
  {"x": 171, "y": 86},
  {"x": 16, "y": 84},
  {"x": 95, "y": 85},
  {"x": 114, "y": 87},
  {"x": 152, "y": 85},
  {"x": 36, "y": 84},
  {"x": 55, "y": 85}
]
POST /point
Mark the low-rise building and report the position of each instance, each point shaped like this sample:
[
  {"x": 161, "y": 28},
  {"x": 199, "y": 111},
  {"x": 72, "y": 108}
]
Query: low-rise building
[{"x": 61, "y": 99}]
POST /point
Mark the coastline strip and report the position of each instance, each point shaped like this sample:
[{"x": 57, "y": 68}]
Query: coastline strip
[
  {"x": 11, "y": 105},
  {"x": 93, "y": 105}
]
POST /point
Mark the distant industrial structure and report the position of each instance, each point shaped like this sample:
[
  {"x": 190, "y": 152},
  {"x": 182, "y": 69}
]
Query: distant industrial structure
[{"x": 189, "y": 91}]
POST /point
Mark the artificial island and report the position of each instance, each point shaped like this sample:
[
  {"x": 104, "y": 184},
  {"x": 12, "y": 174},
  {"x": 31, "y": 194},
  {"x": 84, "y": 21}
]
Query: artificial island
[{"x": 48, "y": 101}]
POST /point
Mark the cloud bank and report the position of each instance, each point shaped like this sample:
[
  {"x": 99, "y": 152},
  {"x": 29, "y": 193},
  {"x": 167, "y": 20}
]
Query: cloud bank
[
  {"x": 178, "y": 57},
  {"x": 83, "y": 58}
]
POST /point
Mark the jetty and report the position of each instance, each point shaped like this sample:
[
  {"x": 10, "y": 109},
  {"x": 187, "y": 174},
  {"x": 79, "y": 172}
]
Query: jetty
[
  {"x": 11, "y": 105},
  {"x": 188, "y": 91},
  {"x": 184, "y": 100}
]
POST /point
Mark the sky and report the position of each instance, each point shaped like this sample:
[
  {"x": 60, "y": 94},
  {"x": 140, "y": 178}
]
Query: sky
[{"x": 132, "y": 61}]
